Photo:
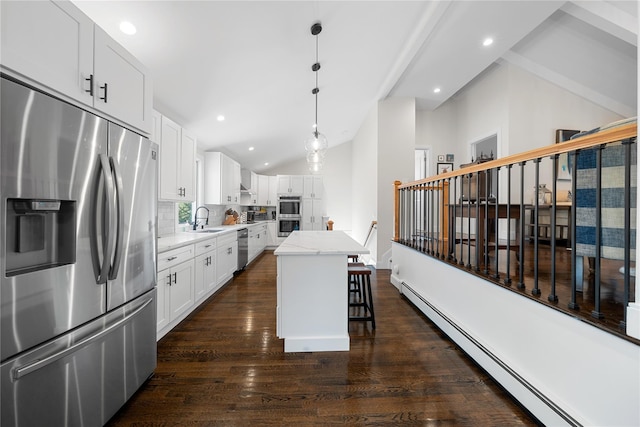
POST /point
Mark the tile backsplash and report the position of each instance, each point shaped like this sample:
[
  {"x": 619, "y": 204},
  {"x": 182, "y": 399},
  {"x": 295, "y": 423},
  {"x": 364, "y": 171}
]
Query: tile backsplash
[{"x": 166, "y": 218}]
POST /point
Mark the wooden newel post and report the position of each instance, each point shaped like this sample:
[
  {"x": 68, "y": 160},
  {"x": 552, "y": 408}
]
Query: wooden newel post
[{"x": 396, "y": 219}]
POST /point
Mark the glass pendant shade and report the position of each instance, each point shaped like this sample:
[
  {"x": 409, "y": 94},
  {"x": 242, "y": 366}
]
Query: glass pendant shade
[{"x": 317, "y": 142}]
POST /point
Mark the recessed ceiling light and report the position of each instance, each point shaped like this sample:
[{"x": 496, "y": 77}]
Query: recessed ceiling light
[
  {"x": 250, "y": 148},
  {"x": 128, "y": 28},
  {"x": 266, "y": 163},
  {"x": 487, "y": 42},
  {"x": 436, "y": 90},
  {"x": 220, "y": 118}
]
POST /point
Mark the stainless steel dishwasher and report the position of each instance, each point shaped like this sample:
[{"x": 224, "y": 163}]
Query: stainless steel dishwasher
[{"x": 243, "y": 248}]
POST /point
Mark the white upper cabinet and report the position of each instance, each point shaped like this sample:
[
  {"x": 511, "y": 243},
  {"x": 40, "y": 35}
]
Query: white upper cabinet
[
  {"x": 177, "y": 160},
  {"x": 263, "y": 190},
  {"x": 273, "y": 191},
  {"x": 53, "y": 45},
  {"x": 50, "y": 43},
  {"x": 313, "y": 187},
  {"x": 186, "y": 171},
  {"x": 221, "y": 179},
  {"x": 292, "y": 185},
  {"x": 122, "y": 86}
]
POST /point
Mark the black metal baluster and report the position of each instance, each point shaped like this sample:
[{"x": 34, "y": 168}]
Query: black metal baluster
[
  {"x": 507, "y": 280},
  {"x": 596, "y": 313},
  {"x": 574, "y": 206},
  {"x": 437, "y": 216},
  {"x": 469, "y": 223},
  {"x": 422, "y": 232},
  {"x": 521, "y": 284},
  {"x": 462, "y": 219},
  {"x": 412, "y": 227},
  {"x": 536, "y": 289},
  {"x": 485, "y": 260},
  {"x": 431, "y": 223},
  {"x": 552, "y": 296},
  {"x": 627, "y": 229},
  {"x": 478, "y": 243},
  {"x": 452, "y": 226},
  {"x": 497, "y": 221},
  {"x": 416, "y": 217},
  {"x": 420, "y": 217}
]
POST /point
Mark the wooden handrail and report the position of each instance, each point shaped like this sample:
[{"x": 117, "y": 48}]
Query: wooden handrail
[{"x": 591, "y": 140}]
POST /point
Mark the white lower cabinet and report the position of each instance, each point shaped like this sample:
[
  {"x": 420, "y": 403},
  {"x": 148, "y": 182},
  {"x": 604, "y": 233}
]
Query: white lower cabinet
[
  {"x": 272, "y": 234},
  {"x": 205, "y": 268},
  {"x": 181, "y": 289},
  {"x": 257, "y": 241},
  {"x": 176, "y": 291},
  {"x": 226, "y": 257}
]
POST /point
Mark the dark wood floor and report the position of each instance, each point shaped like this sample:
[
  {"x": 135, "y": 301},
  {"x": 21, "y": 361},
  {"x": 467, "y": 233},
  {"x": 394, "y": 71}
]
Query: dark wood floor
[
  {"x": 224, "y": 365},
  {"x": 612, "y": 306}
]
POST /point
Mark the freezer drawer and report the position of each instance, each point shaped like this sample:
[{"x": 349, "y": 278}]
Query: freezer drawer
[{"x": 85, "y": 376}]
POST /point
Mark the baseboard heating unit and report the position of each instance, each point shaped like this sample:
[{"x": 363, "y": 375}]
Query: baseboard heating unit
[{"x": 523, "y": 391}]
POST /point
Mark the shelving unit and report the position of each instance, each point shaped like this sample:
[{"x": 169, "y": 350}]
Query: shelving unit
[{"x": 563, "y": 223}]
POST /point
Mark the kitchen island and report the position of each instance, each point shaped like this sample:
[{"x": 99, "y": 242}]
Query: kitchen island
[{"x": 312, "y": 290}]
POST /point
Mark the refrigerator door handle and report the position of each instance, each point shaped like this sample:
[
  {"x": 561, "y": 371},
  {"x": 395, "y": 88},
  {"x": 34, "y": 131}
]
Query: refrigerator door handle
[
  {"x": 41, "y": 363},
  {"x": 119, "y": 200},
  {"x": 108, "y": 242}
]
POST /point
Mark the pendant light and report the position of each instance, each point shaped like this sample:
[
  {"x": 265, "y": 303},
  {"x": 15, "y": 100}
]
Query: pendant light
[{"x": 316, "y": 145}]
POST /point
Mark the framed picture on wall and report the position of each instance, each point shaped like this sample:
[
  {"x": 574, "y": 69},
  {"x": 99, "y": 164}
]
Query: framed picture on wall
[
  {"x": 444, "y": 167},
  {"x": 441, "y": 157},
  {"x": 563, "y": 164}
]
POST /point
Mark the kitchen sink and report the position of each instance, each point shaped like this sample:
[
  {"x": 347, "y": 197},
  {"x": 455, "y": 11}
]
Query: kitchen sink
[{"x": 208, "y": 231}]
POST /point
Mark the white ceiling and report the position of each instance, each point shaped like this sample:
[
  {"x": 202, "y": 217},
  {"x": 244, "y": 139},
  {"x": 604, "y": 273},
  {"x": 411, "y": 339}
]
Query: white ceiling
[{"x": 251, "y": 60}]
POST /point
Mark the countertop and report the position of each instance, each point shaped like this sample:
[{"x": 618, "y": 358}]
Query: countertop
[
  {"x": 320, "y": 243},
  {"x": 177, "y": 240}
]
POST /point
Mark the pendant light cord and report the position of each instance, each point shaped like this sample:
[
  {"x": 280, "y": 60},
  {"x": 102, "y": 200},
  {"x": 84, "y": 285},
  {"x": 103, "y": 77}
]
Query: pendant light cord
[{"x": 317, "y": 88}]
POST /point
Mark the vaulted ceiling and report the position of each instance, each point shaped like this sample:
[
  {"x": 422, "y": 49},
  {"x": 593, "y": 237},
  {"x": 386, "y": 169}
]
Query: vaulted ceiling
[{"x": 251, "y": 60}]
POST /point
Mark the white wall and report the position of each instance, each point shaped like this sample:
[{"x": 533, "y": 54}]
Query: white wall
[
  {"x": 364, "y": 166},
  {"x": 337, "y": 179},
  {"x": 537, "y": 108},
  {"x": 396, "y": 145}
]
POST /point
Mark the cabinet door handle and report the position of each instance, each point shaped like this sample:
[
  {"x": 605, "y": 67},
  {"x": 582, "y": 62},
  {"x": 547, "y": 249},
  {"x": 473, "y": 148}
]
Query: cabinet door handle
[
  {"x": 90, "y": 80},
  {"x": 105, "y": 93},
  {"x": 175, "y": 278},
  {"x": 169, "y": 278},
  {"x": 229, "y": 250},
  {"x": 171, "y": 258},
  {"x": 207, "y": 246}
]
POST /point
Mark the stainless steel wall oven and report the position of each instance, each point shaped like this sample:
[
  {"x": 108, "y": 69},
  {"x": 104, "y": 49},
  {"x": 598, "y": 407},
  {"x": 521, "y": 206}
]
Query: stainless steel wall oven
[
  {"x": 288, "y": 212},
  {"x": 287, "y": 225},
  {"x": 288, "y": 205}
]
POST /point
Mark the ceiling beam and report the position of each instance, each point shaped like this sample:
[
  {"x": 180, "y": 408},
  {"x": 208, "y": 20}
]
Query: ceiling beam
[
  {"x": 606, "y": 17},
  {"x": 569, "y": 84},
  {"x": 432, "y": 15}
]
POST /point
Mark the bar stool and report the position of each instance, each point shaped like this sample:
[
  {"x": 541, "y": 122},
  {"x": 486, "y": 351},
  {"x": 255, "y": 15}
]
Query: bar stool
[
  {"x": 354, "y": 283},
  {"x": 361, "y": 274}
]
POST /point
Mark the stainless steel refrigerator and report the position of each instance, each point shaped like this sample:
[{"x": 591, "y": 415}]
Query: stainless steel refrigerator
[{"x": 78, "y": 228}]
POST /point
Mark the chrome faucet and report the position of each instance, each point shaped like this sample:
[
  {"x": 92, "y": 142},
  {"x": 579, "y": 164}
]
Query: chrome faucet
[{"x": 195, "y": 217}]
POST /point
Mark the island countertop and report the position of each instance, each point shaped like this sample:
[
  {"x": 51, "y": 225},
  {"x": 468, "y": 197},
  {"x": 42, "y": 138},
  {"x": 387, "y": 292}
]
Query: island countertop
[{"x": 320, "y": 243}]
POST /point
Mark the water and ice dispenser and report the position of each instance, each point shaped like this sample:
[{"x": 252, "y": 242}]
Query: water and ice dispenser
[{"x": 41, "y": 234}]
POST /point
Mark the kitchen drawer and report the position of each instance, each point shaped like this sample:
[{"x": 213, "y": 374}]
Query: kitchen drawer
[
  {"x": 174, "y": 257},
  {"x": 205, "y": 246},
  {"x": 226, "y": 239}
]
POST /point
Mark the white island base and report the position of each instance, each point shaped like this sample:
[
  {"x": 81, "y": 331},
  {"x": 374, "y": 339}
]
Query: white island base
[{"x": 313, "y": 308}]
